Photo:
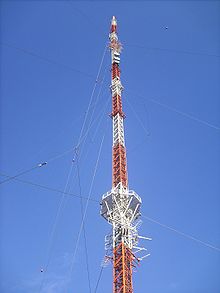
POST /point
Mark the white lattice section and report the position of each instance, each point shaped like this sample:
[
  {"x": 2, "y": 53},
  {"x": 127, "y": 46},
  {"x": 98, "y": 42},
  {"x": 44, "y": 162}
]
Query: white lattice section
[
  {"x": 118, "y": 130},
  {"x": 113, "y": 36},
  {"x": 115, "y": 57},
  {"x": 116, "y": 87}
]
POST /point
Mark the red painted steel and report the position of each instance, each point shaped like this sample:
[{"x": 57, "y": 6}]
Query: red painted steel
[
  {"x": 119, "y": 168},
  {"x": 123, "y": 259},
  {"x": 115, "y": 71},
  {"x": 113, "y": 28},
  {"x": 117, "y": 106}
]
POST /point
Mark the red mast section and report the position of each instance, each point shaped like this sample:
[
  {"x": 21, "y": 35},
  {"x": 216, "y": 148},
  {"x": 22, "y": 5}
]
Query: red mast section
[{"x": 120, "y": 206}]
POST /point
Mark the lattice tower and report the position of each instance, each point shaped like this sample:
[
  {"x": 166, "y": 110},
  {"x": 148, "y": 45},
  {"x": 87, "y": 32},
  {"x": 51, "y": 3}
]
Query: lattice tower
[{"x": 120, "y": 206}]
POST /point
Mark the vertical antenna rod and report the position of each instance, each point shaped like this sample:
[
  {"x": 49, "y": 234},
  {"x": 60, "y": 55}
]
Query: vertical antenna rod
[{"x": 120, "y": 206}]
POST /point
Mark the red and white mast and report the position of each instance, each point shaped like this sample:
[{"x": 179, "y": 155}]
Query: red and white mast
[{"x": 120, "y": 206}]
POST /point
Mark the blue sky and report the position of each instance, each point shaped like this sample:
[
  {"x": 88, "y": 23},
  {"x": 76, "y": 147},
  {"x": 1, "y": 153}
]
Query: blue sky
[{"x": 50, "y": 55}]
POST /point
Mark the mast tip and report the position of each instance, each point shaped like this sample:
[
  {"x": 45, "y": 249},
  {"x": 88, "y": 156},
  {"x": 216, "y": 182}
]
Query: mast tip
[{"x": 114, "y": 22}]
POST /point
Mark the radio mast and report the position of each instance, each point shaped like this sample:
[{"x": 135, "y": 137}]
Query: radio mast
[{"x": 120, "y": 206}]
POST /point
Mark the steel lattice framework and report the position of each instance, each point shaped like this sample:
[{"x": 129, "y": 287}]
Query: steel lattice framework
[{"x": 120, "y": 206}]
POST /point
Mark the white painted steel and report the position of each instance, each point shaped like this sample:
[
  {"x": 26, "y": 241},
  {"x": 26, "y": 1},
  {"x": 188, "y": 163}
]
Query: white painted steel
[
  {"x": 116, "y": 87},
  {"x": 121, "y": 208},
  {"x": 118, "y": 130}
]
